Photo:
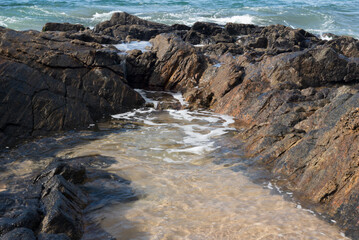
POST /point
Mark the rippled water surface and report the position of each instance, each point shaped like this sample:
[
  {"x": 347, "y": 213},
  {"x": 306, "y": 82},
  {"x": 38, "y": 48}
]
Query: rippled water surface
[
  {"x": 339, "y": 17},
  {"x": 184, "y": 171}
]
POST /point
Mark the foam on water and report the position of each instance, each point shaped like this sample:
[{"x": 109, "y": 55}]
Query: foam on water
[
  {"x": 199, "y": 132},
  {"x": 172, "y": 161},
  {"x": 179, "y": 97},
  {"x": 140, "y": 45},
  {"x": 100, "y": 17},
  {"x": 144, "y": 96},
  {"x": 338, "y": 17},
  {"x": 245, "y": 19}
]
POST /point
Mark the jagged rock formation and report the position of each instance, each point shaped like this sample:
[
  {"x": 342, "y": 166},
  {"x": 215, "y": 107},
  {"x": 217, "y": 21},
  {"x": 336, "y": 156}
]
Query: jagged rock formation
[
  {"x": 295, "y": 96},
  {"x": 52, "y": 204},
  {"x": 50, "y": 82}
]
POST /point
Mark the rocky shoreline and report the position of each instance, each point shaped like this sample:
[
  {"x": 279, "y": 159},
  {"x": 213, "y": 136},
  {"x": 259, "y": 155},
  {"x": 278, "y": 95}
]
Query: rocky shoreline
[{"x": 295, "y": 96}]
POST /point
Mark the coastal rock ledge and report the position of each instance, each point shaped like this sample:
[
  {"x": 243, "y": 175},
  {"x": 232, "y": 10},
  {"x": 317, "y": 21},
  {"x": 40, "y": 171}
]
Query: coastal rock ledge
[{"x": 295, "y": 96}]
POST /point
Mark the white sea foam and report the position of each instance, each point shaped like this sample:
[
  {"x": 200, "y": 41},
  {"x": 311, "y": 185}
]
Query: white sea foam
[
  {"x": 190, "y": 18},
  {"x": 141, "y": 45},
  {"x": 148, "y": 100},
  {"x": 5, "y": 21},
  {"x": 3, "y": 24},
  {"x": 179, "y": 97},
  {"x": 198, "y": 129},
  {"x": 98, "y": 17},
  {"x": 246, "y": 19},
  {"x": 321, "y": 36}
]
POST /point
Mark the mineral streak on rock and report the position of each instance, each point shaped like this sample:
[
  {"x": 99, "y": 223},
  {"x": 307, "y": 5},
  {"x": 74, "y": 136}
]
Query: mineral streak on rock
[{"x": 295, "y": 95}]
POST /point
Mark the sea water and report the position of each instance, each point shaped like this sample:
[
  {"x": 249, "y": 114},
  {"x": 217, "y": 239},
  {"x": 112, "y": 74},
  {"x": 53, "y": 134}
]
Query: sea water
[
  {"x": 186, "y": 175},
  {"x": 321, "y": 16}
]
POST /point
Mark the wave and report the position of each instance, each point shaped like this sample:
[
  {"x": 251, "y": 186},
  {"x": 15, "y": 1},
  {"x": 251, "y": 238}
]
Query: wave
[{"x": 99, "y": 17}]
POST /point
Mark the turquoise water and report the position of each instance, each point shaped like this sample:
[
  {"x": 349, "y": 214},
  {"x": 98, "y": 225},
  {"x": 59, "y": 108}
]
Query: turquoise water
[{"x": 339, "y": 17}]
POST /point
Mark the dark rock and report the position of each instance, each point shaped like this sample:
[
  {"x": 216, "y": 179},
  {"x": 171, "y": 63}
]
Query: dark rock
[
  {"x": 123, "y": 26},
  {"x": 50, "y": 85},
  {"x": 279, "y": 38},
  {"x": 73, "y": 173},
  {"x": 207, "y": 33},
  {"x": 242, "y": 29},
  {"x": 180, "y": 27},
  {"x": 90, "y": 36},
  {"x": 19, "y": 234},
  {"x": 63, "y": 27},
  {"x": 348, "y": 46},
  {"x": 45, "y": 236},
  {"x": 63, "y": 203},
  {"x": 19, "y": 216}
]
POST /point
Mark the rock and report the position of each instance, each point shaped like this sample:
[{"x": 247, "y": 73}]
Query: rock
[
  {"x": 178, "y": 65},
  {"x": 139, "y": 67},
  {"x": 316, "y": 67},
  {"x": 295, "y": 96},
  {"x": 90, "y": 36},
  {"x": 19, "y": 216},
  {"x": 279, "y": 39},
  {"x": 123, "y": 25},
  {"x": 63, "y": 27},
  {"x": 242, "y": 29},
  {"x": 207, "y": 33},
  {"x": 73, "y": 173},
  {"x": 50, "y": 83},
  {"x": 348, "y": 46},
  {"x": 63, "y": 203},
  {"x": 19, "y": 234},
  {"x": 45, "y": 236}
]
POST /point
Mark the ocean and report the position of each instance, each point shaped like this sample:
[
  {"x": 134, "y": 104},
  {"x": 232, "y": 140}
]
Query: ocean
[{"x": 322, "y": 16}]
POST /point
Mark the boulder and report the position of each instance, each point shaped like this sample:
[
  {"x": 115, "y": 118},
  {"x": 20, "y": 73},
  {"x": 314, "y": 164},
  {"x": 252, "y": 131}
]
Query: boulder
[
  {"x": 50, "y": 83},
  {"x": 19, "y": 234},
  {"x": 123, "y": 26},
  {"x": 63, "y": 27}
]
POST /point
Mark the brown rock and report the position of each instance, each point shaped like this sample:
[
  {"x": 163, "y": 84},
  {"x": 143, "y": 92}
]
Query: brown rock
[
  {"x": 49, "y": 84},
  {"x": 63, "y": 27}
]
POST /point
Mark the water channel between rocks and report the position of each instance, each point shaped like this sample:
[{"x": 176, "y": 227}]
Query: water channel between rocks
[{"x": 184, "y": 181}]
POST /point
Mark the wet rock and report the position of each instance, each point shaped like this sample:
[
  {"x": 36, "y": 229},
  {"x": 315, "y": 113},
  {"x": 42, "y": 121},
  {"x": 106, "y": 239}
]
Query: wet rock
[
  {"x": 19, "y": 234},
  {"x": 242, "y": 29},
  {"x": 73, "y": 173},
  {"x": 63, "y": 27},
  {"x": 50, "y": 83},
  {"x": 178, "y": 65},
  {"x": 20, "y": 216},
  {"x": 348, "y": 46},
  {"x": 139, "y": 67},
  {"x": 45, "y": 236},
  {"x": 278, "y": 39},
  {"x": 294, "y": 94},
  {"x": 123, "y": 26},
  {"x": 206, "y": 33},
  {"x": 63, "y": 203}
]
